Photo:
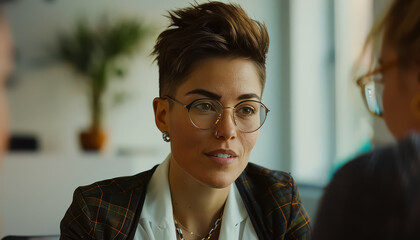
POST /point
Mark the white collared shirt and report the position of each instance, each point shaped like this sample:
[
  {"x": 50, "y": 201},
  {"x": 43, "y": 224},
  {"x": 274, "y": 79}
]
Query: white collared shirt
[{"x": 156, "y": 219}]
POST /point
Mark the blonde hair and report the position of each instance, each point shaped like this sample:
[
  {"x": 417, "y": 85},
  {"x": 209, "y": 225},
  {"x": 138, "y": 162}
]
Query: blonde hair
[{"x": 399, "y": 28}]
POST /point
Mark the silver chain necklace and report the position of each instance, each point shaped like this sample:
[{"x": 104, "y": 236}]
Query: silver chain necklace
[{"x": 181, "y": 236}]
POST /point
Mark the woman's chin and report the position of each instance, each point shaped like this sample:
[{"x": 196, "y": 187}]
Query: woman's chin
[{"x": 218, "y": 182}]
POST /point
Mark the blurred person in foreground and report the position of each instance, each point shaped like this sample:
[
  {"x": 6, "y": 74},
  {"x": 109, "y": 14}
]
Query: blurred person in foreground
[
  {"x": 377, "y": 195},
  {"x": 211, "y": 75},
  {"x": 6, "y": 64}
]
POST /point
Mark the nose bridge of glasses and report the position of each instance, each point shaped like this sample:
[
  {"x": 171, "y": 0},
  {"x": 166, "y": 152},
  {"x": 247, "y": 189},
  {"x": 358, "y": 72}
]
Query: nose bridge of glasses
[{"x": 222, "y": 115}]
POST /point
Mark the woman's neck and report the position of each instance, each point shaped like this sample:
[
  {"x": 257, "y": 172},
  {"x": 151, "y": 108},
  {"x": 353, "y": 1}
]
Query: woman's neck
[{"x": 195, "y": 205}]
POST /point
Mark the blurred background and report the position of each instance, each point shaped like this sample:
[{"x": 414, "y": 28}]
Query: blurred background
[{"x": 317, "y": 120}]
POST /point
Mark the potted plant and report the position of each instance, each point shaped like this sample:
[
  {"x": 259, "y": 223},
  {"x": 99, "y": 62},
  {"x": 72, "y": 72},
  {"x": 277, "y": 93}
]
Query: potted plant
[{"x": 95, "y": 53}]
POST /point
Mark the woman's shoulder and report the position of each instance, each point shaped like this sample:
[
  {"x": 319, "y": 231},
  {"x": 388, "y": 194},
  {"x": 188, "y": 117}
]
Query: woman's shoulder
[
  {"x": 106, "y": 208},
  {"x": 117, "y": 186},
  {"x": 259, "y": 173},
  {"x": 274, "y": 200},
  {"x": 263, "y": 180},
  {"x": 365, "y": 186},
  {"x": 398, "y": 156}
]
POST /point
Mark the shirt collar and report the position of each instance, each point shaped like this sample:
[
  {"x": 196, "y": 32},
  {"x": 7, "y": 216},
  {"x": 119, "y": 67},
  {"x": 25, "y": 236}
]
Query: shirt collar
[
  {"x": 158, "y": 197},
  {"x": 235, "y": 211},
  {"x": 159, "y": 205}
]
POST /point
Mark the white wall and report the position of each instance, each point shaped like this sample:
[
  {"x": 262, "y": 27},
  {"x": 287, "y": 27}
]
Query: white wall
[{"x": 309, "y": 85}]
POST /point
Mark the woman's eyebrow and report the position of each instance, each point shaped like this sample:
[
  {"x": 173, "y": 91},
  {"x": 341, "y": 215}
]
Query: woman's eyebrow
[
  {"x": 218, "y": 97},
  {"x": 248, "y": 96},
  {"x": 204, "y": 93}
]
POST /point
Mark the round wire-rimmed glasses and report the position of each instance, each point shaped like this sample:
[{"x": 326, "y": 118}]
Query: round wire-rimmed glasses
[
  {"x": 206, "y": 113},
  {"x": 372, "y": 87}
]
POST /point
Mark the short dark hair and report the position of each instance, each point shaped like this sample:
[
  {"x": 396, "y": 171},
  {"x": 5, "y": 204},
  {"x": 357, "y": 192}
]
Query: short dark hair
[{"x": 203, "y": 31}]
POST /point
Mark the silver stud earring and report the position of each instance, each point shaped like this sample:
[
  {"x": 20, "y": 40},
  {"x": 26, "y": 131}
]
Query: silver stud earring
[{"x": 166, "y": 137}]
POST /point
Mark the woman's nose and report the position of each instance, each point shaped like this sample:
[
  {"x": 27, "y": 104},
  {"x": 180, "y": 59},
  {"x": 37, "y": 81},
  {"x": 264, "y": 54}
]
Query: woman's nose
[{"x": 226, "y": 127}]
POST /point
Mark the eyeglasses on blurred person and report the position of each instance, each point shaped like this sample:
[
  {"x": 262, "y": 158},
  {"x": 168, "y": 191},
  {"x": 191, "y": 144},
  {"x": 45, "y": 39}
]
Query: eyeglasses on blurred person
[{"x": 372, "y": 87}]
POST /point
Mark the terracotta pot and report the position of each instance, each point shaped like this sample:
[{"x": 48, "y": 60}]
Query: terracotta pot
[{"x": 93, "y": 139}]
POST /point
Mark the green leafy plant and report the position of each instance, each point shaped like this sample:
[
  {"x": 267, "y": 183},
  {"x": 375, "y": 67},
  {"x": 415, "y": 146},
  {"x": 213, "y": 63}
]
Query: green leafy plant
[{"x": 95, "y": 53}]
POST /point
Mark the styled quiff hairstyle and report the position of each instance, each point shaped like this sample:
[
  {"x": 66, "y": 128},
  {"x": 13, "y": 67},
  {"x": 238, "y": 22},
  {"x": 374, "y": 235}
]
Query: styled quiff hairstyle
[
  {"x": 400, "y": 29},
  {"x": 203, "y": 31}
]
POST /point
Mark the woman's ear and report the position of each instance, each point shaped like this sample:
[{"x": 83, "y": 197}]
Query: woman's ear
[{"x": 161, "y": 109}]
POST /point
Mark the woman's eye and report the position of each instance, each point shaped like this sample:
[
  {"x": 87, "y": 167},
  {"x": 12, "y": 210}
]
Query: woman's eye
[
  {"x": 246, "y": 111},
  {"x": 205, "y": 107}
]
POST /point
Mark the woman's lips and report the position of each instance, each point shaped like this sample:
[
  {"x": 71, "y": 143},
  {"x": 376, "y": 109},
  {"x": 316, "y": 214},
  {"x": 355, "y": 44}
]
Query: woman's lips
[{"x": 222, "y": 156}]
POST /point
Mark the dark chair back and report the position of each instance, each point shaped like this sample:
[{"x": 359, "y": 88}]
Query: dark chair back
[{"x": 49, "y": 237}]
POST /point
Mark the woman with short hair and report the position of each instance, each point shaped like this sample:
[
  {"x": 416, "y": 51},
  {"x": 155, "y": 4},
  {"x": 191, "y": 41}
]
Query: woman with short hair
[{"x": 211, "y": 79}]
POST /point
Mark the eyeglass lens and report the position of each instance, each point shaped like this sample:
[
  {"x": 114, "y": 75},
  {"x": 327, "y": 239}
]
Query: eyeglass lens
[
  {"x": 373, "y": 94},
  {"x": 248, "y": 116}
]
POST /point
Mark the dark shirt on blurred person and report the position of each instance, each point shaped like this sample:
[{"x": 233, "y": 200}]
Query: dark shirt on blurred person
[{"x": 375, "y": 196}]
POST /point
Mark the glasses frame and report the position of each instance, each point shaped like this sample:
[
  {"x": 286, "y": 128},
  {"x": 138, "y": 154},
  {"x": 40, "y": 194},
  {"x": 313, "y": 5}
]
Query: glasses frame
[
  {"x": 365, "y": 79},
  {"x": 188, "y": 107}
]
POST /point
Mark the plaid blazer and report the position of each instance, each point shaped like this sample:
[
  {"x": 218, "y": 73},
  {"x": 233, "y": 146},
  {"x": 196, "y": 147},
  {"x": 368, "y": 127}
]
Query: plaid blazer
[{"x": 111, "y": 209}]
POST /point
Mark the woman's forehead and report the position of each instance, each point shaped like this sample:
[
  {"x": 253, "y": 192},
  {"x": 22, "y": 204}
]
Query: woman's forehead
[{"x": 218, "y": 73}]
